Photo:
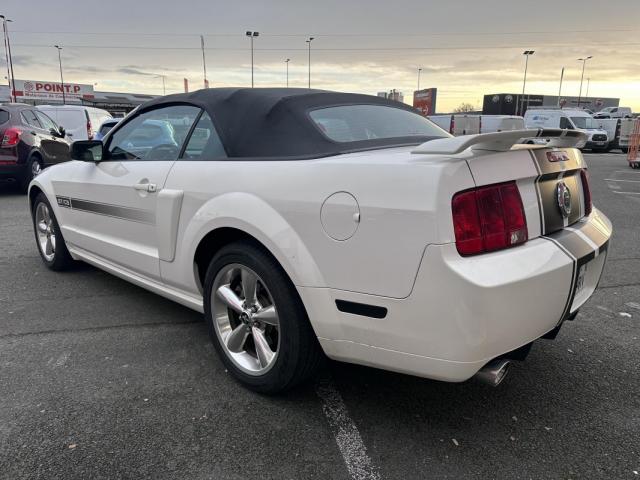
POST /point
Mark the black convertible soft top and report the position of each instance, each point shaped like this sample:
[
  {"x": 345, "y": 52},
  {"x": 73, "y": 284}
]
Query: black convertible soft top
[{"x": 274, "y": 122}]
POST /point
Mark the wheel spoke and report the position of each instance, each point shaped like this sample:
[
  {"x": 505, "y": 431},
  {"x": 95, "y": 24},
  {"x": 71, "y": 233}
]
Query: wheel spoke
[
  {"x": 52, "y": 240},
  {"x": 230, "y": 298},
  {"x": 265, "y": 354},
  {"x": 249, "y": 286},
  {"x": 236, "y": 338},
  {"x": 48, "y": 247},
  {"x": 267, "y": 315},
  {"x": 42, "y": 226},
  {"x": 45, "y": 214}
]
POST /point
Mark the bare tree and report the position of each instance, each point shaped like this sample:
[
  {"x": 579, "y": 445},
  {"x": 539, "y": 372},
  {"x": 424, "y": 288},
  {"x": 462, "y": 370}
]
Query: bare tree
[{"x": 464, "y": 107}]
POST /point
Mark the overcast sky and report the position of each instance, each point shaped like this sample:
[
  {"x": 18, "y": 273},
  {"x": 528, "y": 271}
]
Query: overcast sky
[{"x": 466, "y": 48}]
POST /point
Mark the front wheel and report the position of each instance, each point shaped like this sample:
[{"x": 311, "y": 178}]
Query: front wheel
[
  {"x": 51, "y": 245},
  {"x": 34, "y": 168},
  {"x": 256, "y": 320}
]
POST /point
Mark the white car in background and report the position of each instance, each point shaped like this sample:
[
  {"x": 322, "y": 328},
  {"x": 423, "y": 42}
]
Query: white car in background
[
  {"x": 80, "y": 122},
  {"x": 304, "y": 221},
  {"x": 579, "y": 120}
]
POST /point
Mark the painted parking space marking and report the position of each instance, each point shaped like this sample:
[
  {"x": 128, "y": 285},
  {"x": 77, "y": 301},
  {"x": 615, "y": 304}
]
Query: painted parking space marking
[{"x": 346, "y": 433}]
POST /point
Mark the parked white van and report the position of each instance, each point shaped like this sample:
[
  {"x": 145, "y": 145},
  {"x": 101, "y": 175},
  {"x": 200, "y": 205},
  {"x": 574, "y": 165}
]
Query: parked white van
[
  {"x": 500, "y": 123},
  {"x": 457, "y": 124},
  {"x": 80, "y": 122},
  {"x": 571, "y": 119},
  {"x": 613, "y": 112}
]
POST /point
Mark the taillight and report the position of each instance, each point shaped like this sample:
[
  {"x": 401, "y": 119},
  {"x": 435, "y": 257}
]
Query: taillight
[
  {"x": 586, "y": 189},
  {"x": 11, "y": 137},
  {"x": 89, "y": 130},
  {"x": 488, "y": 218},
  {"x": 452, "y": 125}
]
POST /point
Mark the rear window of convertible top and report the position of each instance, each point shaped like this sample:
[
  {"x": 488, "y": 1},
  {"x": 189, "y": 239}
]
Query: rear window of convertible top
[{"x": 352, "y": 123}]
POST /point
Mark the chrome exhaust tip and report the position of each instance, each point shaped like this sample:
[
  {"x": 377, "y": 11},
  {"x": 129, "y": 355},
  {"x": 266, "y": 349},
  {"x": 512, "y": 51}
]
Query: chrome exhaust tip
[{"x": 494, "y": 372}]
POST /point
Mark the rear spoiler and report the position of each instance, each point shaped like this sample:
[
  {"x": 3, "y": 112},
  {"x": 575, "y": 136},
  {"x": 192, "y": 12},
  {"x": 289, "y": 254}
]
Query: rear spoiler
[{"x": 501, "y": 141}]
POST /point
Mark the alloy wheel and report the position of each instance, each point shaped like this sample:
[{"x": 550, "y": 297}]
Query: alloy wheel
[
  {"x": 45, "y": 231},
  {"x": 245, "y": 319},
  {"x": 36, "y": 169}
]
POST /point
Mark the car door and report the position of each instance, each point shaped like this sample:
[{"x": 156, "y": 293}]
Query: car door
[
  {"x": 58, "y": 147},
  {"x": 114, "y": 209},
  {"x": 42, "y": 139}
]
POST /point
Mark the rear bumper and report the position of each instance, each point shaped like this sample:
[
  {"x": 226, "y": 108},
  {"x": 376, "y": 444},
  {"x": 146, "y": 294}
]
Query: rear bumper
[
  {"x": 463, "y": 312},
  {"x": 16, "y": 171}
]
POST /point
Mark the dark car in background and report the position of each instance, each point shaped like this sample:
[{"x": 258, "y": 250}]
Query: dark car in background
[
  {"x": 106, "y": 126},
  {"x": 29, "y": 142}
]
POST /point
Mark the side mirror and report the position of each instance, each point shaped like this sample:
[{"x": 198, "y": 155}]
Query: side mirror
[
  {"x": 87, "y": 150},
  {"x": 60, "y": 132}
]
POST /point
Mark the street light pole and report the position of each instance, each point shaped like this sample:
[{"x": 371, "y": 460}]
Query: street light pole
[
  {"x": 10, "y": 77},
  {"x": 251, "y": 36},
  {"x": 526, "y": 53},
  {"x": 309, "y": 40},
  {"x": 419, "y": 71},
  {"x": 560, "y": 89},
  {"x": 64, "y": 99},
  {"x": 588, "y": 82},
  {"x": 584, "y": 62},
  {"x": 287, "y": 62},
  {"x": 204, "y": 61}
]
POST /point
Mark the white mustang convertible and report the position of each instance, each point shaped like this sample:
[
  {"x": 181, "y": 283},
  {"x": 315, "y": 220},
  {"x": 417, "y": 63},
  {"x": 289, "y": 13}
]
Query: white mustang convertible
[{"x": 306, "y": 223}]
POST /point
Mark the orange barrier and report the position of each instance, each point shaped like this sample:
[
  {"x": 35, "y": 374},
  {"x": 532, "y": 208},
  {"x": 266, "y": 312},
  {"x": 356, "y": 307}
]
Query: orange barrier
[{"x": 634, "y": 145}]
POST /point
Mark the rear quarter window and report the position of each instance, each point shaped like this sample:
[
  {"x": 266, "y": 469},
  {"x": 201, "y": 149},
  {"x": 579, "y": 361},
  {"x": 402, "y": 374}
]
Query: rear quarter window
[{"x": 352, "y": 123}]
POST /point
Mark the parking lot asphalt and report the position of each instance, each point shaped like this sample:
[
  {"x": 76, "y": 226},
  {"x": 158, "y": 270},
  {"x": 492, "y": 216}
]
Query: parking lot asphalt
[{"x": 101, "y": 379}]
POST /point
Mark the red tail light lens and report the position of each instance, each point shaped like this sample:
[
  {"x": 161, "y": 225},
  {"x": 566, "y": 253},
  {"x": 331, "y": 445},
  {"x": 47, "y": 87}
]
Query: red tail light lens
[
  {"x": 11, "y": 137},
  {"x": 586, "y": 189},
  {"x": 452, "y": 125},
  {"x": 89, "y": 130},
  {"x": 488, "y": 218}
]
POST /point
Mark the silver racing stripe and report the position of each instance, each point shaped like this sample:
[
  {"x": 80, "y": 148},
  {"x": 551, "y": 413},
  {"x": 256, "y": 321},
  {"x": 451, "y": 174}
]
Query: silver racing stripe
[{"x": 115, "y": 211}]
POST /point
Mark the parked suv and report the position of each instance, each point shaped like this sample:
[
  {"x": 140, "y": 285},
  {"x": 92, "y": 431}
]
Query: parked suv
[
  {"x": 29, "y": 142},
  {"x": 79, "y": 121}
]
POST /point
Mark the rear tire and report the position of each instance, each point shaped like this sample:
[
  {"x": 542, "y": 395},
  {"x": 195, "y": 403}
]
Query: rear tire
[
  {"x": 293, "y": 354},
  {"x": 51, "y": 245},
  {"x": 624, "y": 149}
]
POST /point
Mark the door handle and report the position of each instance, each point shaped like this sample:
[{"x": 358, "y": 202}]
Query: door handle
[{"x": 145, "y": 187}]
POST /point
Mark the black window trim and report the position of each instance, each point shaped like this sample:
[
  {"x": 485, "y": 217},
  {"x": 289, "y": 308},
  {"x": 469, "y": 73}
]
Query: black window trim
[
  {"x": 39, "y": 112},
  {"x": 188, "y": 139}
]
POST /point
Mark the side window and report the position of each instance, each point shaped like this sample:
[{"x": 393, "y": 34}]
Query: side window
[
  {"x": 46, "y": 122},
  {"x": 29, "y": 117},
  {"x": 154, "y": 135},
  {"x": 204, "y": 143},
  {"x": 565, "y": 124}
]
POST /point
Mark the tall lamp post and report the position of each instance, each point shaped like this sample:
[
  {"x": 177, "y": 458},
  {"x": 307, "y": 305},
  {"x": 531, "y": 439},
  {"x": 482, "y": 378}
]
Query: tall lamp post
[
  {"x": 7, "y": 48},
  {"x": 204, "y": 63},
  {"x": 163, "y": 77},
  {"x": 309, "y": 40},
  {"x": 251, "y": 36},
  {"x": 526, "y": 53},
  {"x": 287, "y": 63},
  {"x": 64, "y": 98},
  {"x": 584, "y": 62},
  {"x": 419, "y": 71},
  {"x": 560, "y": 88}
]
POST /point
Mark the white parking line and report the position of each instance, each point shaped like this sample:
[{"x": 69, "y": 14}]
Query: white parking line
[
  {"x": 616, "y": 180},
  {"x": 629, "y": 193},
  {"x": 350, "y": 444}
]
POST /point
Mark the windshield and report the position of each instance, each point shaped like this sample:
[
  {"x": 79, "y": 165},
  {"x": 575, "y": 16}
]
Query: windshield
[
  {"x": 586, "y": 123},
  {"x": 352, "y": 123}
]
